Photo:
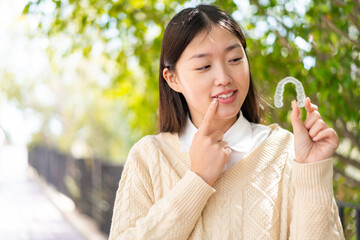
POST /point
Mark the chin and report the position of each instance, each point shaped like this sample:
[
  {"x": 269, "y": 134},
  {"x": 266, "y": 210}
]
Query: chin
[{"x": 227, "y": 113}]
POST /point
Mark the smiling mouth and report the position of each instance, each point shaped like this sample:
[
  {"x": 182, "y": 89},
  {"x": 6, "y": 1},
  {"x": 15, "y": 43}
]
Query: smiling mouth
[{"x": 225, "y": 96}]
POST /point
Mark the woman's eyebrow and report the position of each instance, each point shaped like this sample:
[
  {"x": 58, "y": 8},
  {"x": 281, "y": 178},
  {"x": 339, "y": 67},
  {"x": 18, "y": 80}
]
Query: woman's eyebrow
[
  {"x": 231, "y": 47},
  {"x": 228, "y": 49},
  {"x": 200, "y": 55}
]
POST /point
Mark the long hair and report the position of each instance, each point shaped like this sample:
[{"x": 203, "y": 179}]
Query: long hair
[{"x": 182, "y": 28}]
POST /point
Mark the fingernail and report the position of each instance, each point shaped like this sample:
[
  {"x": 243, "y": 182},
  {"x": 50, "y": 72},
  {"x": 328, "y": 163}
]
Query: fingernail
[
  {"x": 292, "y": 103},
  {"x": 227, "y": 150},
  {"x": 214, "y": 101}
]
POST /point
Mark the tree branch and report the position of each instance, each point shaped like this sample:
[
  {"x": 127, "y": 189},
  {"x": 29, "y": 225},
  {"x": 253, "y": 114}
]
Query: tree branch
[
  {"x": 354, "y": 21},
  {"x": 260, "y": 8},
  {"x": 348, "y": 179},
  {"x": 345, "y": 131},
  {"x": 339, "y": 3},
  {"x": 283, "y": 40},
  {"x": 336, "y": 29},
  {"x": 319, "y": 55},
  {"x": 353, "y": 15},
  {"x": 357, "y": 8},
  {"x": 347, "y": 160}
]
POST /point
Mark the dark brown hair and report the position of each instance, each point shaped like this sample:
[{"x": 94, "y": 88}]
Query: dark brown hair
[{"x": 182, "y": 28}]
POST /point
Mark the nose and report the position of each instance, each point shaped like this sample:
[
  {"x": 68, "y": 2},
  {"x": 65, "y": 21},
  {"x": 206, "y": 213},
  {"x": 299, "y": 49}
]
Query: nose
[{"x": 222, "y": 76}]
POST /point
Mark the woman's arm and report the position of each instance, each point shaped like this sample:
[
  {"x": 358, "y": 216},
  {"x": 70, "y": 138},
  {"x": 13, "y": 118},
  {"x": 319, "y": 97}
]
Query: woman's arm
[
  {"x": 314, "y": 213},
  {"x": 173, "y": 217}
]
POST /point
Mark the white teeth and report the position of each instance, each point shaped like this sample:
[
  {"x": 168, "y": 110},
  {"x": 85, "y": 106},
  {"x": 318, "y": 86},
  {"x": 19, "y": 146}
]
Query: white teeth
[{"x": 225, "y": 95}]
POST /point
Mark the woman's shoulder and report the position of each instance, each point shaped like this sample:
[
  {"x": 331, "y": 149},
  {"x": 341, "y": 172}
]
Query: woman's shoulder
[
  {"x": 277, "y": 129},
  {"x": 151, "y": 150},
  {"x": 280, "y": 141},
  {"x": 150, "y": 143},
  {"x": 281, "y": 136}
]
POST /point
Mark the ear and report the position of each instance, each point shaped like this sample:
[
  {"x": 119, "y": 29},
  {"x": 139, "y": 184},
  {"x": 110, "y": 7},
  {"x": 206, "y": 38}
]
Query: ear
[{"x": 172, "y": 80}]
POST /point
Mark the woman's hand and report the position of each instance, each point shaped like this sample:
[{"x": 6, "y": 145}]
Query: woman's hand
[
  {"x": 208, "y": 153},
  {"x": 314, "y": 139}
]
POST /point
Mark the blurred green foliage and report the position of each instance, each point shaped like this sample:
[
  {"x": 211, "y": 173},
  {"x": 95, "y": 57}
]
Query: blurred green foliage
[{"x": 315, "y": 41}]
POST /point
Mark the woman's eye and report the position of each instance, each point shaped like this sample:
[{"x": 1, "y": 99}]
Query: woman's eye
[
  {"x": 235, "y": 60},
  {"x": 203, "y": 68}
]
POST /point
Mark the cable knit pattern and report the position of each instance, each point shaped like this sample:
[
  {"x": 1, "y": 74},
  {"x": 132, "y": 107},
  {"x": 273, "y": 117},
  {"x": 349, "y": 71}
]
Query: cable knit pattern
[{"x": 267, "y": 195}]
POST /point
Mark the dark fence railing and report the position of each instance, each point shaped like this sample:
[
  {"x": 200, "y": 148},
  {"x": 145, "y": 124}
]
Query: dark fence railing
[
  {"x": 92, "y": 185},
  {"x": 348, "y": 211}
]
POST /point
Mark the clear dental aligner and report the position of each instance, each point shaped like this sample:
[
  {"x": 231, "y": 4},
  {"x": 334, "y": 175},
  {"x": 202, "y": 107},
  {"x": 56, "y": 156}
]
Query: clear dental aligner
[{"x": 300, "y": 93}]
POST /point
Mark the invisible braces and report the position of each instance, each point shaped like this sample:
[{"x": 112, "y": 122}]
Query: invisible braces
[{"x": 300, "y": 93}]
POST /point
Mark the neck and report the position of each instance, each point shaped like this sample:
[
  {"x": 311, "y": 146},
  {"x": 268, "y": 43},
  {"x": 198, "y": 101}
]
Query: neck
[{"x": 223, "y": 124}]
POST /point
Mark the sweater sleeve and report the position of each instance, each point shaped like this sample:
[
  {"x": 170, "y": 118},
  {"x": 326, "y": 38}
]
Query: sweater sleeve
[
  {"x": 174, "y": 216},
  {"x": 314, "y": 212}
]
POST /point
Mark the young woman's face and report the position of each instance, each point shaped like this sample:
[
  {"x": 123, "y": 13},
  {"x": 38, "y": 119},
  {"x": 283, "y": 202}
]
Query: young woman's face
[{"x": 213, "y": 65}]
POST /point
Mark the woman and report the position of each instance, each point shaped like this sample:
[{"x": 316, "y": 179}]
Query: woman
[{"x": 214, "y": 172}]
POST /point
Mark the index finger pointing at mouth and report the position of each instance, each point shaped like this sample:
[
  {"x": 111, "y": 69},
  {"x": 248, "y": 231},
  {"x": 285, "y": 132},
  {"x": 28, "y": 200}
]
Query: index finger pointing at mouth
[{"x": 209, "y": 116}]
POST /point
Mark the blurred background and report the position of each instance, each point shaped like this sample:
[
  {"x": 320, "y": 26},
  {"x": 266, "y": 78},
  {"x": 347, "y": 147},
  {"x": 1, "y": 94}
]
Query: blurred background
[{"x": 79, "y": 86}]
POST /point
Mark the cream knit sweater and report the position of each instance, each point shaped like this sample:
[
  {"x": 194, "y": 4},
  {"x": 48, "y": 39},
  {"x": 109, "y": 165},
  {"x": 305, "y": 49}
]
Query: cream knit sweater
[{"x": 267, "y": 195}]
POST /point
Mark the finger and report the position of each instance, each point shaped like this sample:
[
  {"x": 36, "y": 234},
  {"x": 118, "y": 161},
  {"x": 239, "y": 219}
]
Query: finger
[
  {"x": 208, "y": 118},
  {"x": 329, "y": 134},
  {"x": 311, "y": 118},
  {"x": 317, "y": 127},
  {"x": 223, "y": 144},
  {"x": 309, "y": 106},
  {"x": 296, "y": 121},
  {"x": 227, "y": 151},
  {"x": 217, "y": 136}
]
